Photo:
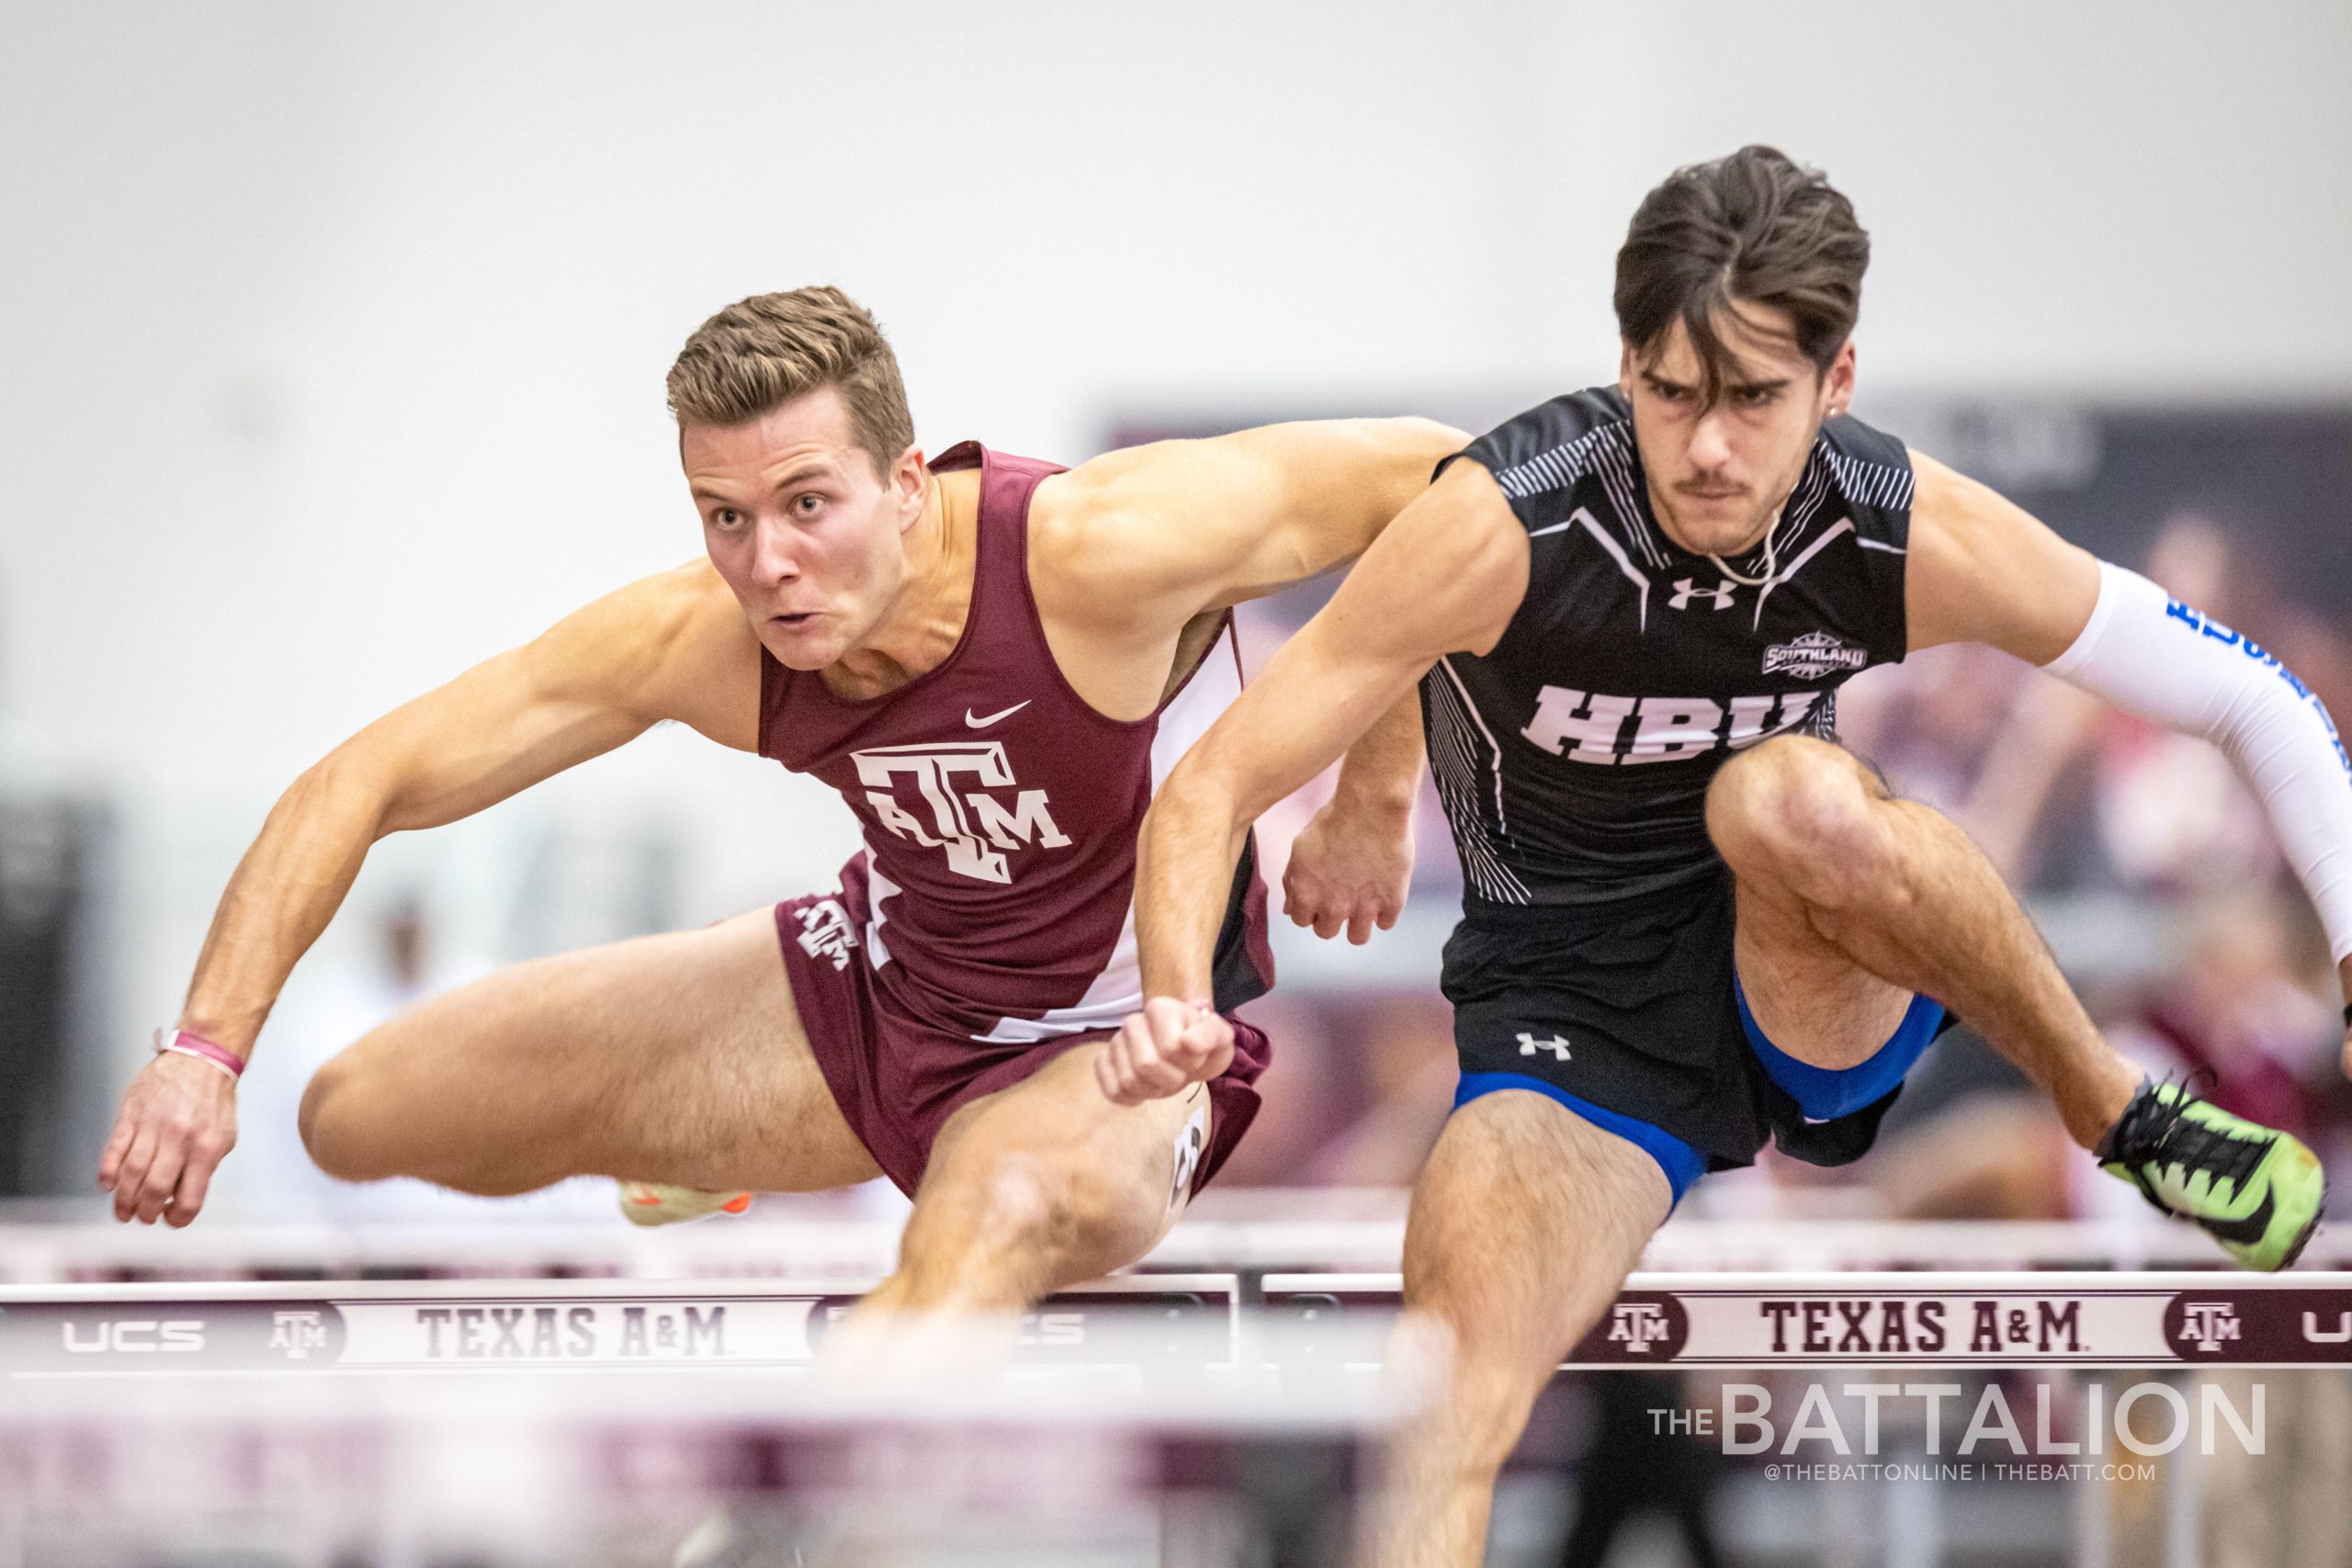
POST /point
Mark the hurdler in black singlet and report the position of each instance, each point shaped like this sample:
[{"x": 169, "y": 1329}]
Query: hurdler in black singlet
[
  {"x": 1594, "y": 961},
  {"x": 1574, "y": 758}
]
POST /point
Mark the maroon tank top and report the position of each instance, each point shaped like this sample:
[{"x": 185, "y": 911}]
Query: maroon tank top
[{"x": 995, "y": 895}]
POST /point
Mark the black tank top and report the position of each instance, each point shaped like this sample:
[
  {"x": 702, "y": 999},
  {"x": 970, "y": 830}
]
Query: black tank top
[{"x": 1574, "y": 758}]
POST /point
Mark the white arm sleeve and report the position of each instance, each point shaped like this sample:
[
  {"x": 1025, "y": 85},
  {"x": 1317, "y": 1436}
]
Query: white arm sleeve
[{"x": 2150, "y": 655}]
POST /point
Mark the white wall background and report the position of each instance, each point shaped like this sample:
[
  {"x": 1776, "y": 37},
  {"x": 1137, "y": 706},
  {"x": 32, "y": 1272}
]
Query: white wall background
[{"x": 332, "y": 337}]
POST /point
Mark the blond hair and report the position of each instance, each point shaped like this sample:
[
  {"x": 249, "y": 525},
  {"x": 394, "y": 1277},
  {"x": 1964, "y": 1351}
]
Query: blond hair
[{"x": 762, "y": 352}]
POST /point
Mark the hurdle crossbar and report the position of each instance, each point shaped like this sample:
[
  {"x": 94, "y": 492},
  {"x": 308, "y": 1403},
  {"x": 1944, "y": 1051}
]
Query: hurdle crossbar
[{"x": 2089, "y": 1320}]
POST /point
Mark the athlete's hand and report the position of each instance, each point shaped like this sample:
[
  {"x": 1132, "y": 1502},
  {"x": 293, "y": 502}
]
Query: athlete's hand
[
  {"x": 177, "y": 1123},
  {"x": 1161, "y": 1050},
  {"x": 1350, "y": 871}
]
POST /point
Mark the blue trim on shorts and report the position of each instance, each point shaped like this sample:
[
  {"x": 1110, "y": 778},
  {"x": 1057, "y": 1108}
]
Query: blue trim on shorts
[
  {"x": 1824, "y": 1094},
  {"x": 1683, "y": 1163}
]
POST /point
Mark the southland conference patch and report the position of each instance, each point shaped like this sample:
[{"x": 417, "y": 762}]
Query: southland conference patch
[{"x": 1811, "y": 655}]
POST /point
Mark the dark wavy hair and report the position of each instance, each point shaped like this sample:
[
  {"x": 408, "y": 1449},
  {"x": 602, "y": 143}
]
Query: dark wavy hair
[{"x": 1753, "y": 229}]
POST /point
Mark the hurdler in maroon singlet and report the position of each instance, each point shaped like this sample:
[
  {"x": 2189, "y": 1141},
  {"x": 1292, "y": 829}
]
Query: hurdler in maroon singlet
[{"x": 990, "y": 923}]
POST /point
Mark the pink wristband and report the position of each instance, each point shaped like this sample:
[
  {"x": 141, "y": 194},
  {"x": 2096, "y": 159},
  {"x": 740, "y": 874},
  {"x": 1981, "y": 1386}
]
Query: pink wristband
[{"x": 187, "y": 1044}]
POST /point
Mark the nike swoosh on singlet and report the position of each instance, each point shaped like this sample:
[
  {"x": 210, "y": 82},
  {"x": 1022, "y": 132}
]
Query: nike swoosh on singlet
[{"x": 1008, "y": 712}]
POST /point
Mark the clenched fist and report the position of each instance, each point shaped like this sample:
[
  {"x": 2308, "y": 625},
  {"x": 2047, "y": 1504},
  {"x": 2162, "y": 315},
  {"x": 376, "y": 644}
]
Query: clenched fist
[{"x": 1162, "y": 1049}]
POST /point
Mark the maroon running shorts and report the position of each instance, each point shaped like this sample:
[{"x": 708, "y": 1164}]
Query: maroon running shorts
[{"x": 898, "y": 1079}]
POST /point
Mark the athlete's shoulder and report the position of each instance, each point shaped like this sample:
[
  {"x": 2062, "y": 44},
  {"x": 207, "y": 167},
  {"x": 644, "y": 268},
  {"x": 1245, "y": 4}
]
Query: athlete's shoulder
[
  {"x": 1552, "y": 444},
  {"x": 1871, "y": 469},
  {"x": 672, "y": 646},
  {"x": 1205, "y": 523},
  {"x": 640, "y": 620}
]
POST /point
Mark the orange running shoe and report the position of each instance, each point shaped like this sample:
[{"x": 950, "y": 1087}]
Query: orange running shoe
[{"x": 657, "y": 1203}]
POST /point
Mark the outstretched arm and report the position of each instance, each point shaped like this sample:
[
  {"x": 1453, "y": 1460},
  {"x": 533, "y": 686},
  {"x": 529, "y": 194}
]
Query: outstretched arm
[
  {"x": 1445, "y": 576},
  {"x": 671, "y": 646},
  {"x": 1980, "y": 570}
]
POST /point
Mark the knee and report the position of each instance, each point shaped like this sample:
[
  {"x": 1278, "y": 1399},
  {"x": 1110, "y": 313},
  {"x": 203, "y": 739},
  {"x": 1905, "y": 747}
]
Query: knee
[
  {"x": 1027, "y": 1223},
  {"x": 1800, "y": 814},
  {"x": 1052, "y": 1207},
  {"x": 1492, "y": 1382},
  {"x": 333, "y": 1123}
]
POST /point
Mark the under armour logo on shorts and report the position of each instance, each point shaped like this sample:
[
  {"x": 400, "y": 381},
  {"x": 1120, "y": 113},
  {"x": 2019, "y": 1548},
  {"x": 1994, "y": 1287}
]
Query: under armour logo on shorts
[{"x": 1529, "y": 1045}]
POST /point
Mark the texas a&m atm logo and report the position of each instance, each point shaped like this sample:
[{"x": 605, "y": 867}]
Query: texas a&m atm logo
[
  {"x": 937, "y": 796},
  {"x": 1639, "y": 1326},
  {"x": 2209, "y": 1325},
  {"x": 1642, "y": 1325}
]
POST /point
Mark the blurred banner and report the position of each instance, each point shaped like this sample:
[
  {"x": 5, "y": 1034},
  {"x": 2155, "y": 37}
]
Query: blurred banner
[{"x": 45, "y": 862}]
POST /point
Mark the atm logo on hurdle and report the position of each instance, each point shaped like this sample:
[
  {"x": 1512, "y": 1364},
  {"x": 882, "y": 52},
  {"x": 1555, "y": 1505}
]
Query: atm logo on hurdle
[
  {"x": 2209, "y": 1325},
  {"x": 1642, "y": 1325},
  {"x": 1639, "y": 1326},
  {"x": 298, "y": 1334}
]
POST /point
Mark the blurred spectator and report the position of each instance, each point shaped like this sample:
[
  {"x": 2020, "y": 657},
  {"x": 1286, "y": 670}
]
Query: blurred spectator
[
  {"x": 2168, "y": 814},
  {"x": 1969, "y": 732},
  {"x": 1931, "y": 722},
  {"x": 2251, "y": 1008},
  {"x": 1629, "y": 1469}
]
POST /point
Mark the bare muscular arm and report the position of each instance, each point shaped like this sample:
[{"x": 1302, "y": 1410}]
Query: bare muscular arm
[
  {"x": 1193, "y": 525},
  {"x": 672, "y": 646},
  {"x": 1982, "y": 569},
  {"x": 1157, "y": 538},
  {"x": 1138, "y": 544},
  {"x": 1445, "y": 576}
]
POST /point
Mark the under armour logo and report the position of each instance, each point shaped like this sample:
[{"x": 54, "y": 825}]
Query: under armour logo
[
  {"x": 1529, "y": 1045},
  {"x": 1685, "y": 591}
]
